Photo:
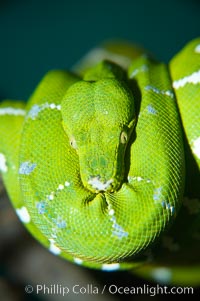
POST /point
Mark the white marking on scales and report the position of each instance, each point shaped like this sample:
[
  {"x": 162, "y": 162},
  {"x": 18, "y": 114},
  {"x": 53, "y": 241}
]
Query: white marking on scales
[
  {"x": 12, "y": 111},
  {"x": 110, "y": 266},
  {"x": 26, "y": 168},
  {"x": 36, "y": 109},
  {"x": 51, "y": 196},
  {"x": 60, "y": 222},
  {"x": 138, "y": 179},
  {"x": 78, "y": 260},
  {"x": 42, "y": 207},
  {"x": 157, "y": 194},
  {"x": 143, "y": 68},
  {"x": 99, "y": 54},
  {"x": 54, "y": 106},
  {"x": 197, "y": 48},
  {"x": 193, "y": 78},
  {"x": 53, "y": 248},
  {"x": 3, "y": 166},
  {"x": 117, "y": 229},
  {"x": 196, "y": 147},
  {"x": 151, "y": 110},
  {"x": 98, "y": 185},
  {"x": 23, "y": 215},
  {"x": 62, "y": 186},
  {"x": 158, "y": 91}
]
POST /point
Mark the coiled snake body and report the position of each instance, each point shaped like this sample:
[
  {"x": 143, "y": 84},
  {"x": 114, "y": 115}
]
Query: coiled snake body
[{"x": 95, "y": 163}]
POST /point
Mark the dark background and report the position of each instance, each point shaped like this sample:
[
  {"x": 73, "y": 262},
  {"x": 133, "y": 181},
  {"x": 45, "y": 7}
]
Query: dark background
[{"x": 36, "y": 36}]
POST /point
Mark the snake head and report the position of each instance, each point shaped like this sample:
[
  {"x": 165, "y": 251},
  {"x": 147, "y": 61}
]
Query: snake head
[{"x": 98, "y": 117}]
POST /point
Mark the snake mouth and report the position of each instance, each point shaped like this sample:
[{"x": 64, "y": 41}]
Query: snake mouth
[{"x": 96, "y": 185}]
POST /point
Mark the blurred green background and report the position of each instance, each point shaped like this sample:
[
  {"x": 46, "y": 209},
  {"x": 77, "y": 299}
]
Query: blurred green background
[{"x": 37, "y": 36}]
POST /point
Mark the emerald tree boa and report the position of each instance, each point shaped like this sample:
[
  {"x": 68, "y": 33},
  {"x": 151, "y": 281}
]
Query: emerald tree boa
[{"x": 102, "y": 163}]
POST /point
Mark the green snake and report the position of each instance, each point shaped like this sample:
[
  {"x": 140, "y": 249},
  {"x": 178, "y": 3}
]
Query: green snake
[{"x": 95, "y": 163}]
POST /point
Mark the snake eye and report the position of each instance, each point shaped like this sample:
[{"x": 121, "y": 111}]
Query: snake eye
[
  {"x": 72, "y": 142},
  {"x": 123, "y": 137}
]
